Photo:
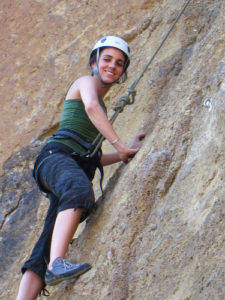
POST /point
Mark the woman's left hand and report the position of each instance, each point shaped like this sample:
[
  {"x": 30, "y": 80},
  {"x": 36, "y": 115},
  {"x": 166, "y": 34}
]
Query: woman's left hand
[{"x": 137, "y": 141}]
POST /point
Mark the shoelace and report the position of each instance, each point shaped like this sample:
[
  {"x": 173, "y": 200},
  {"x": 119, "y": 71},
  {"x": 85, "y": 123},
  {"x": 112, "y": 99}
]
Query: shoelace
[{"x": 67, "y": 265}]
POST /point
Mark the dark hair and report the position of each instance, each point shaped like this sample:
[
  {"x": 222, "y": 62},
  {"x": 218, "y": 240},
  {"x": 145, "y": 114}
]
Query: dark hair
[{"x": 93, "y": 56}]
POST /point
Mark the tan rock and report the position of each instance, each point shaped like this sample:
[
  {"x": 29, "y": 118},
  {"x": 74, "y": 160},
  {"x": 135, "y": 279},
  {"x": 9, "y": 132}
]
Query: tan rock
[{"x": 159, "y": 231}]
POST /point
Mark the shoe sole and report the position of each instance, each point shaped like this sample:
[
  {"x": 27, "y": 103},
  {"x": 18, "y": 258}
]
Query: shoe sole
[{"x": 60, "y": 279}]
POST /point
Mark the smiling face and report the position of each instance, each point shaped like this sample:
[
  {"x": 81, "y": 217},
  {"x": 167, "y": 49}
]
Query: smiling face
[{"x": 111, "y": 64}]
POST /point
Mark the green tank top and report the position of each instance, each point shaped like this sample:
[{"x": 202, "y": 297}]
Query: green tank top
[{"x": 74, "y": 117}]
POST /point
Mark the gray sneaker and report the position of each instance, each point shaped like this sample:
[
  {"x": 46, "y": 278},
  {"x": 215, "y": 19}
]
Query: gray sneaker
[{"x": 62, "y": 270}]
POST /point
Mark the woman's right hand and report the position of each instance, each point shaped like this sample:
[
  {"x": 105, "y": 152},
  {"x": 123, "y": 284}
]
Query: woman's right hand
[{"x": 124, "y": 152}]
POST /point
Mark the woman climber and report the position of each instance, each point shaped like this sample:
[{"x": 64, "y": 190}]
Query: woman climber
[{"x": 65, "y": 174}]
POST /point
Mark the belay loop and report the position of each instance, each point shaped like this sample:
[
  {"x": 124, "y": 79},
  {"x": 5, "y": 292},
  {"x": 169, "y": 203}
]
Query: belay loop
[{"x": 125, "y": 100}]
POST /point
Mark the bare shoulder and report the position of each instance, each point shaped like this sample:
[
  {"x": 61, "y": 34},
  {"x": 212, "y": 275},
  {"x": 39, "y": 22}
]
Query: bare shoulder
[
  {"x": 87, "y": 87},
  {"x": 84, "y": 80},
  {"x": 75, "y": 89}
]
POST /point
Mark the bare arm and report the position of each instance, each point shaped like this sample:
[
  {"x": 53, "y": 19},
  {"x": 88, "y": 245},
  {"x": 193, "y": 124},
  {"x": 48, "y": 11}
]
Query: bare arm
[
  {"x": 89, "y": 95},
  {"x": 110, "y": 158}
]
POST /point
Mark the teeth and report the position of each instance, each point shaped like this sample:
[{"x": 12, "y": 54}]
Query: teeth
[{"x": 110, "y": 72}]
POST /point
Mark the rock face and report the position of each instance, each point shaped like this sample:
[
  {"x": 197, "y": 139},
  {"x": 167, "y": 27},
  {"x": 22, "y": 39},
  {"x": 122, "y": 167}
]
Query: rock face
[{"x": 159, "y": 230}]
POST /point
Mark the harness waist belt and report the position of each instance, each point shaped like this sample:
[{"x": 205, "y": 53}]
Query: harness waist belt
[{"x": 71, "y": 134}]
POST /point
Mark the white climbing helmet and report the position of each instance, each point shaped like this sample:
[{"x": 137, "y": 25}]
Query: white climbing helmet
[{"x": 113, "y": 41}]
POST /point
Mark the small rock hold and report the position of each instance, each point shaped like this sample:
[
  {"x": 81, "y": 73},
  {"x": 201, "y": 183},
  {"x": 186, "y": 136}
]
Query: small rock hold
[{"x": 153, "y": 227}]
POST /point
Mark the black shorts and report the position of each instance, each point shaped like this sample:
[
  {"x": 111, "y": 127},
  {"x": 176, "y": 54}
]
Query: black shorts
[
  {"x": 63, "y": 177},
  {"x": 69, "y": 187}
]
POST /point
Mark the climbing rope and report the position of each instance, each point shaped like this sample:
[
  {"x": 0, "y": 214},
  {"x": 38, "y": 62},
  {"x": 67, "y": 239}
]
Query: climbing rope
[{"x": 125, "y": 99}]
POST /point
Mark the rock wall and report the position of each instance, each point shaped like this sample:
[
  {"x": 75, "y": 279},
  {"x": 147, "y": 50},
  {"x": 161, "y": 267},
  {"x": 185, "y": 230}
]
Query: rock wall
[{"x": 159, "y": 230}]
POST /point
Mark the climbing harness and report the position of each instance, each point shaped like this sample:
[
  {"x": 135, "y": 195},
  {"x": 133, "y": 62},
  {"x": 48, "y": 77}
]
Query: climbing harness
[
  {"x": 125, "y": 99},
  {"x": 88, "y": 163},
  {"x": 68, "y": 133},
  {"x": 87, "y": 159}
]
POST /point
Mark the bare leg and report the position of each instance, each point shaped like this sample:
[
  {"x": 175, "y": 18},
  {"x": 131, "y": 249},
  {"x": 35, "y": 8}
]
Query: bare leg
[
  {"x": 66, "y": 225},
  {"x": 30, "y": 286}
]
